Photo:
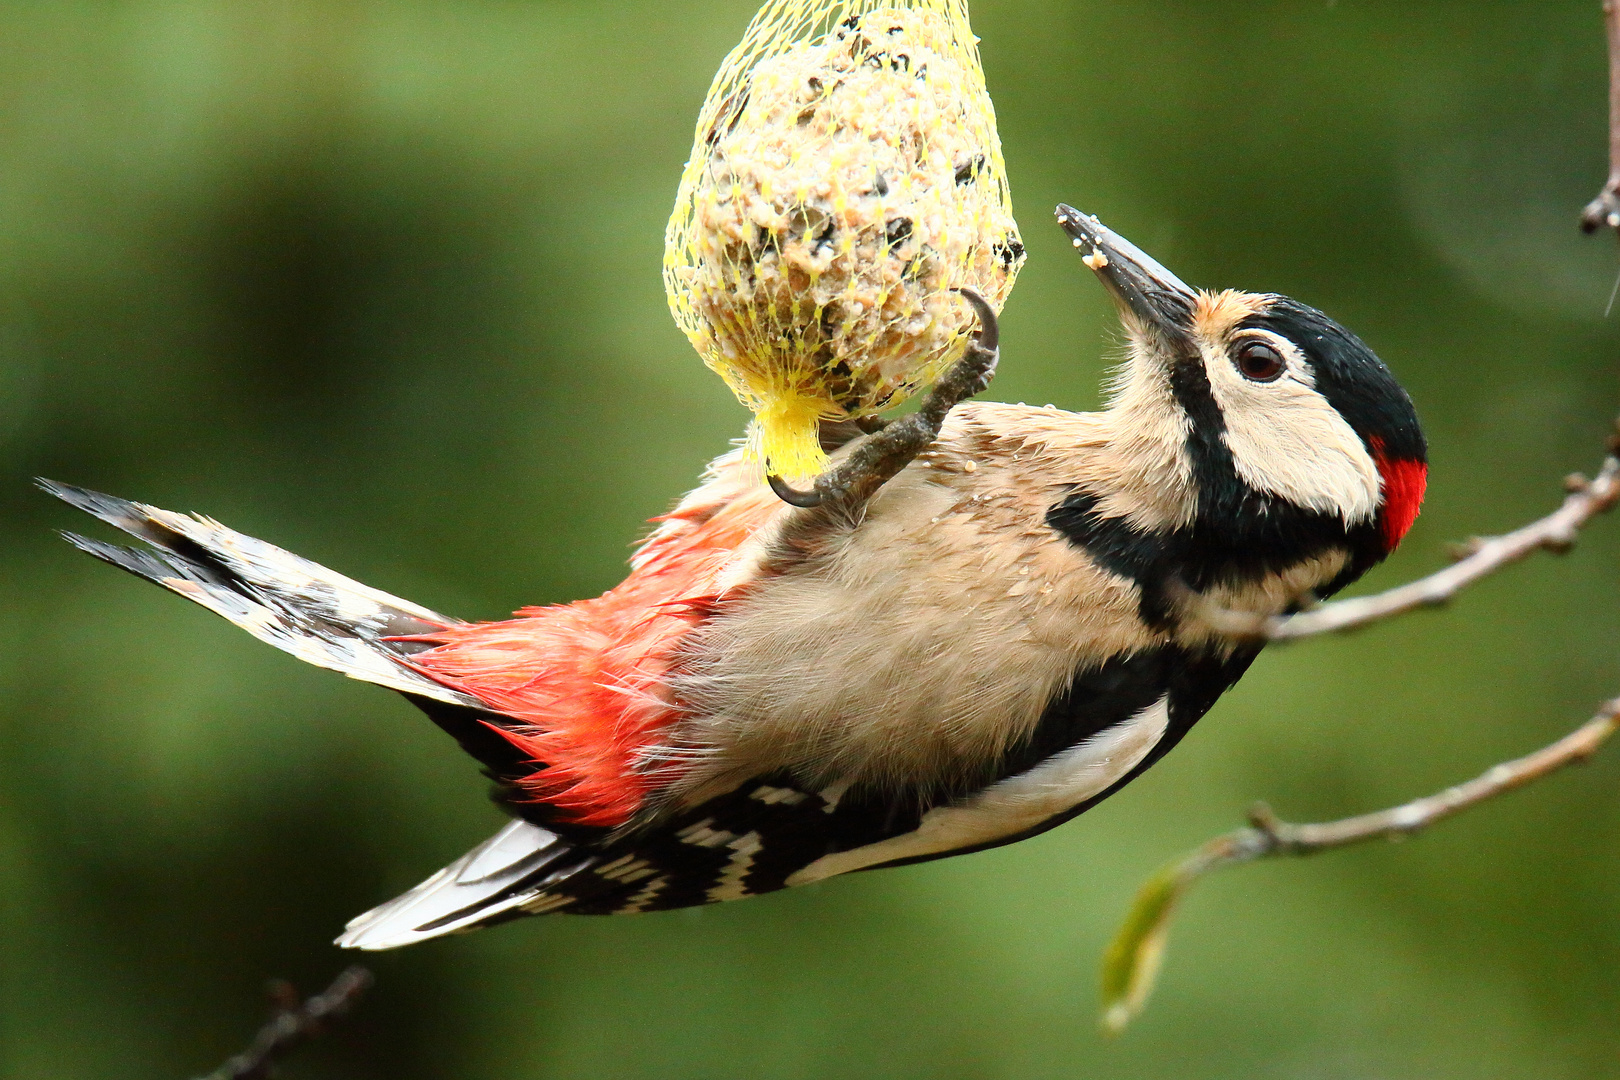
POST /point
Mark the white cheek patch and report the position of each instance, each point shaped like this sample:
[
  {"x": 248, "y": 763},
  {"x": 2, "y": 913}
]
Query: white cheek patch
[{"x": 1287, "y": 441}]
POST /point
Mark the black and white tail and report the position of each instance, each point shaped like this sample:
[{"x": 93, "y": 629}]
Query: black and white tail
[
  {"x": 334, "y": 622},
  {"x": 300, "y": 607}
]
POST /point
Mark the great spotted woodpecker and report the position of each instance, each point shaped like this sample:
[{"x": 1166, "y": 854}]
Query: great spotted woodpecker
[{"x": 975, "y": 627}]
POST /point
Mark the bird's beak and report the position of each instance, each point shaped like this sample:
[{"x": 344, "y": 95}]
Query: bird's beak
[{"x": 1147, "y": 293}]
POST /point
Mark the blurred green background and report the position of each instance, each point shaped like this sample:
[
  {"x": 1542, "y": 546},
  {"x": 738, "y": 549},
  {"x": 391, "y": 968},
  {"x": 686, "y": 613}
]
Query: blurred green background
[{"x": 379, "y": 282}]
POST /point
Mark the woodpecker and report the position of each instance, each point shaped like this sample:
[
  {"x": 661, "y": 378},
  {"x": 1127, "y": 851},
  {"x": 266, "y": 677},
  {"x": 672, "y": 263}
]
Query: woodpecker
[{"x": 980, "y": 621}]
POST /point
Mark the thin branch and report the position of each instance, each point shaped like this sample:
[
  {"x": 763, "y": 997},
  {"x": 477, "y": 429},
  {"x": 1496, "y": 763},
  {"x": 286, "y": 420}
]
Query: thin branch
[
  {"x": 1605, "y": 209},
  {"x": 1267, "y": 835},
  {"x": 1132, "y": 961},
  {"x": 295, "y": 1024},
  {"x": 1556, "y": 532}
]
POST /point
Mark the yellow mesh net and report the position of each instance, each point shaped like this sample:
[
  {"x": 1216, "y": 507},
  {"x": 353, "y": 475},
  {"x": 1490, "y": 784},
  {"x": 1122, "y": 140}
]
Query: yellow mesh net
[{"x": 845, "y": 178}]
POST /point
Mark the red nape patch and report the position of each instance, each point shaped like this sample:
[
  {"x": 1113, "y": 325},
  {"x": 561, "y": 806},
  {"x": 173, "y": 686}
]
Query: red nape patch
[{"x": 1404, "y": 485}]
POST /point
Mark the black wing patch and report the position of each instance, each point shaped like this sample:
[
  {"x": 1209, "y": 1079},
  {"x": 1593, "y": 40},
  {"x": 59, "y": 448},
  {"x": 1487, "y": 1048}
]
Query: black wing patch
[
  {"x": 1095, "y": 701},
  {"x": 743, "y": 843},
  {"x": 1196, "y": 683},
  {"x": 751, "y": 840}
]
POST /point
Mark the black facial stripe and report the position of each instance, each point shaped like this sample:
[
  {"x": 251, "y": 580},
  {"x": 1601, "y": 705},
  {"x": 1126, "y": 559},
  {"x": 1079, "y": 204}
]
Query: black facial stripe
[
  {"x": 1238, "y": 534},
  {"x": 1263, "y": 535},
  {"x": 1213, "y": 471},
  {"x": 1223, "y": 499}
]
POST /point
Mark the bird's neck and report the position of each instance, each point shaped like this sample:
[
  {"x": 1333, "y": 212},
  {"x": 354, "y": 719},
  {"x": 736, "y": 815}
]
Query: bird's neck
[
  {"x": 1139, "y": 469},
  {"x": 1141, "y": 505}
]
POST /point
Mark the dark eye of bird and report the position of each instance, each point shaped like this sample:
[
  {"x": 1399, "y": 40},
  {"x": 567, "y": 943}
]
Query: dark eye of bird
[{"x": 1259, "y": 362}]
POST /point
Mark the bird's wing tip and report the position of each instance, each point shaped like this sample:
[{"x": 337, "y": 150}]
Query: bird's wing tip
[
  {"x": 65, "y": 492},
  {"x": 358, "y": 941},
  {"x": 489, "y": 880}
]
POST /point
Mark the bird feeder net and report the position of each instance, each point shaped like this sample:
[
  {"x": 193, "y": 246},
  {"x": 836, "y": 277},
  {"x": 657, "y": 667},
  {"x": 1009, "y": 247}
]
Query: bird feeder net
[{"x": 846, "y": 177}]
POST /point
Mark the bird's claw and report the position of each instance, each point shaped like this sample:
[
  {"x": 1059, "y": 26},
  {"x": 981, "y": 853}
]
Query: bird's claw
[
  {"x": 884, "y": 453},
  {"x": 807, "y": 500}
]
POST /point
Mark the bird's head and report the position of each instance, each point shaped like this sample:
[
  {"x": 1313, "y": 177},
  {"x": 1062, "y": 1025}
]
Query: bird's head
[{"x": 1276, "y": 406}]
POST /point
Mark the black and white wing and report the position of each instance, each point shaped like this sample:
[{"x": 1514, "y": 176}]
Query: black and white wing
[{"x": 774, "y": 832}]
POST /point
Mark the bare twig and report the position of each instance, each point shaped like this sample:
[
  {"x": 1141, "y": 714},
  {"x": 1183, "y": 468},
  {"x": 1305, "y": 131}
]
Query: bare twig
[
  {"x": 1266, "y": 835},
  {"x": 294, "y": 1024},
  {"x": 1605, "y": 209},
  {"x": 1556, "y": 532},
  {"x": 1132, "y": 961}
]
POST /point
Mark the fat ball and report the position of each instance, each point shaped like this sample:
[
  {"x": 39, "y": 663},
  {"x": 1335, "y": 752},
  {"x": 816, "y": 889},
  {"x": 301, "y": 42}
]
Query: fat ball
[{"x": 845, "y": 178}]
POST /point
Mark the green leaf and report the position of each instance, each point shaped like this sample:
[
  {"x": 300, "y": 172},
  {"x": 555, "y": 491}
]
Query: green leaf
[{"x": 1131, "y": 964}]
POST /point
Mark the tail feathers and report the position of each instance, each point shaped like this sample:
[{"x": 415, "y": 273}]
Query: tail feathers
[
  {"x": 500, "y": 879},
  {"x": 300, "y": 607}
]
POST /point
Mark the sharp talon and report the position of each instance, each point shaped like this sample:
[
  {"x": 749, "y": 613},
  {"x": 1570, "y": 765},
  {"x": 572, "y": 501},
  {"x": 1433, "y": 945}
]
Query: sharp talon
[
  {"x": 989, "y": 327},
  {"x": 807, "y": 500}
]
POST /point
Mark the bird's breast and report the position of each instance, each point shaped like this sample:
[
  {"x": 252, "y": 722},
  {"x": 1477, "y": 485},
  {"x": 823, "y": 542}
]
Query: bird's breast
[{"x": 912, "y": 649}]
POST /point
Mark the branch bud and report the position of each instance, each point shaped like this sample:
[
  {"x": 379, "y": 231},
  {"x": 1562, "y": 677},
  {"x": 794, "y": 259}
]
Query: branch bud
[{"x": 1559, "y": 545}]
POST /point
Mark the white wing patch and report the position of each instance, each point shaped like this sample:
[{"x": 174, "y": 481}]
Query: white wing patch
[{"x": 1016, "y": 804}]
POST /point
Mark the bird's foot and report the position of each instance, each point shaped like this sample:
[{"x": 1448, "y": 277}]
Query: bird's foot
[{"x": 881, "y": 455}]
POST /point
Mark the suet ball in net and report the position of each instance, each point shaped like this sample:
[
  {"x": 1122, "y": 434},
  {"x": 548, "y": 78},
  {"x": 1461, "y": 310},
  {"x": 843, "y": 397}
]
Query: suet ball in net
[{"x": 845, "y": 179}]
